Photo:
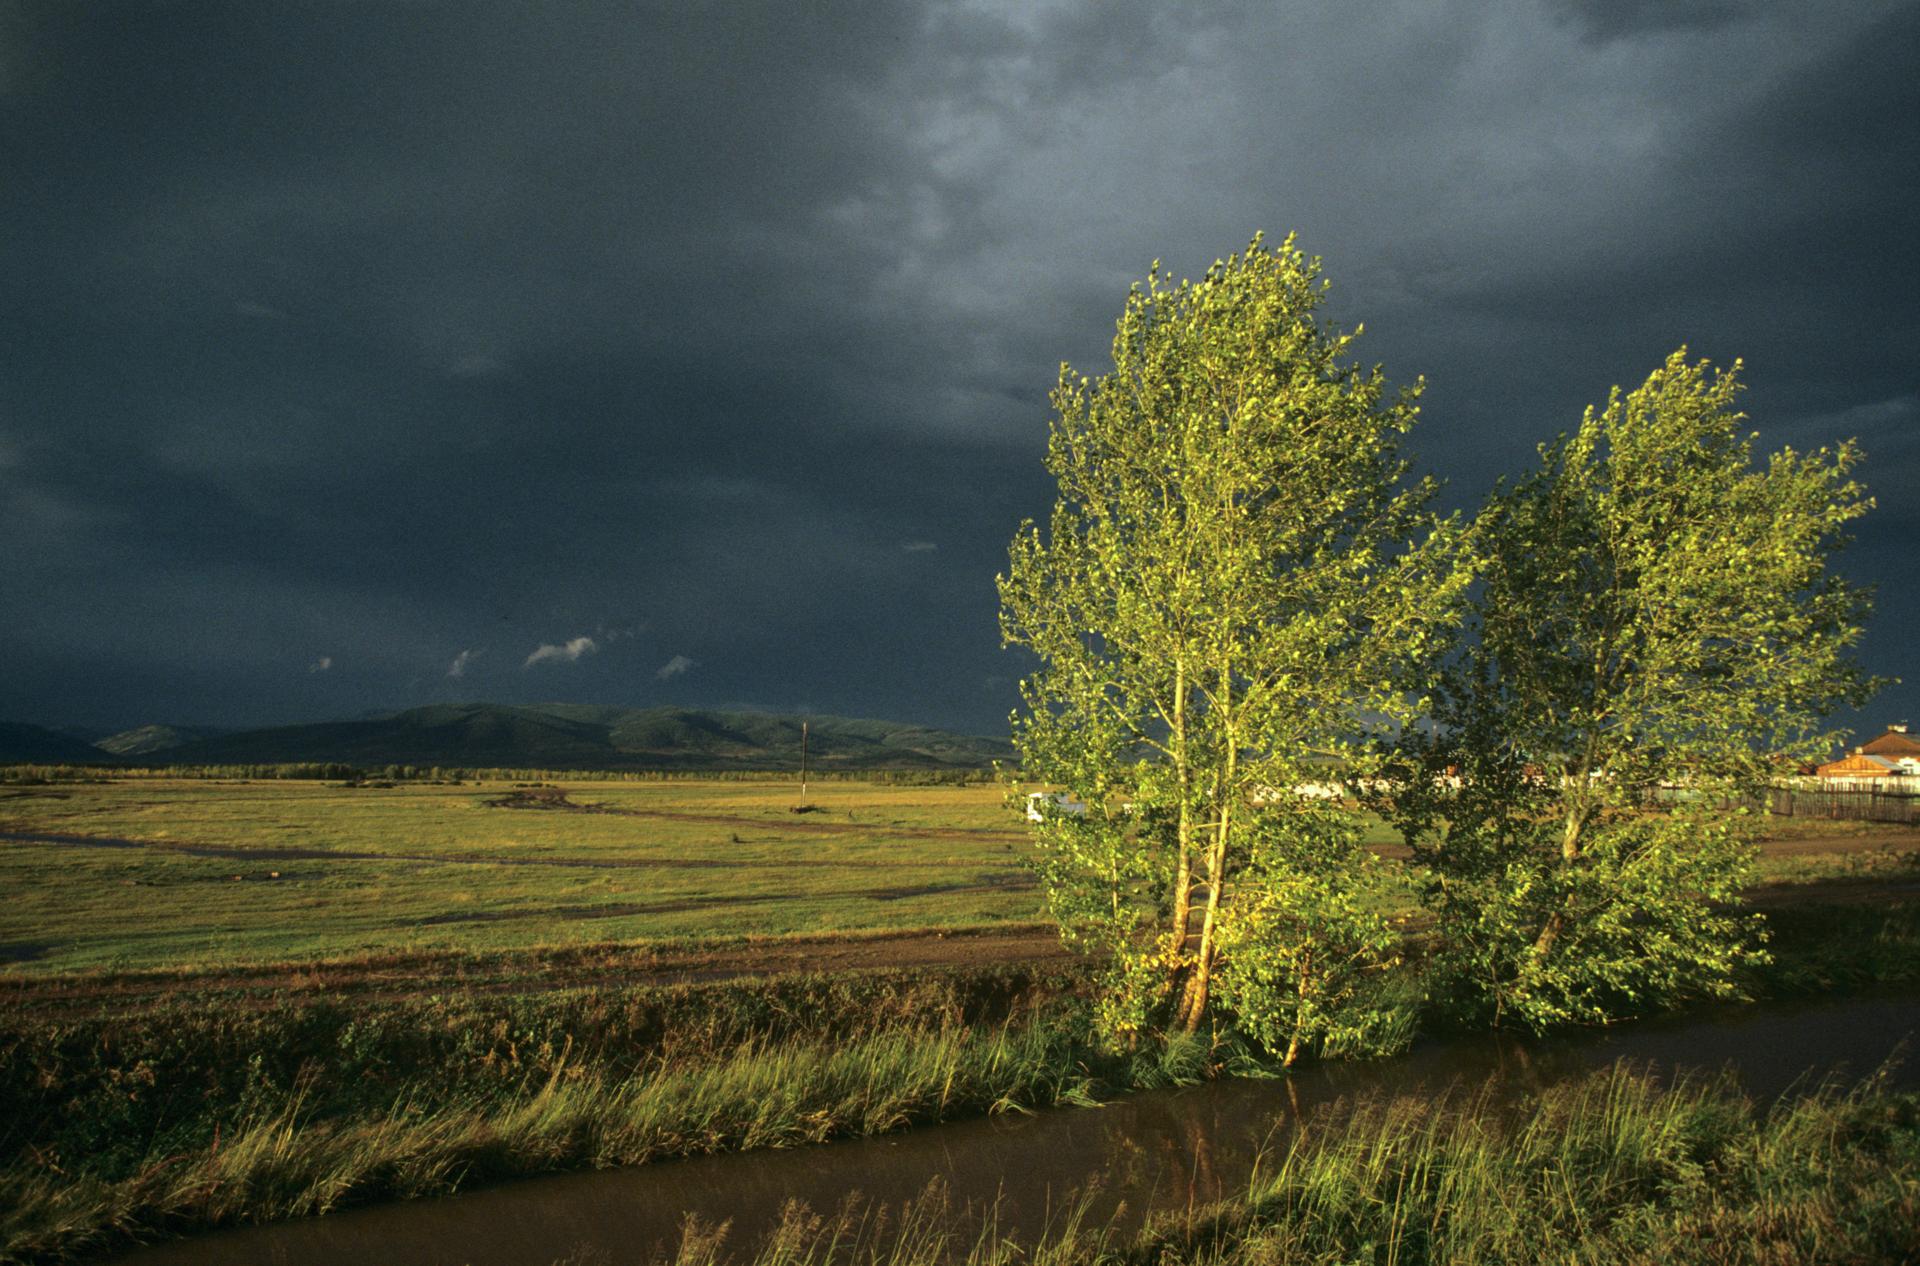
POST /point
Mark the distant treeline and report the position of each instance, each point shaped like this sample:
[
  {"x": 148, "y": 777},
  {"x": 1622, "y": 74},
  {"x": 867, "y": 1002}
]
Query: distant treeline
[{"x": 329, "y": 772}]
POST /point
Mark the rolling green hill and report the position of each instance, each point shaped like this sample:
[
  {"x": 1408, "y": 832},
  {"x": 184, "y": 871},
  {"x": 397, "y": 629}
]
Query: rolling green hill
[
  {"x": 581, "y": 736},
  {"x": 149, "y": 739}
]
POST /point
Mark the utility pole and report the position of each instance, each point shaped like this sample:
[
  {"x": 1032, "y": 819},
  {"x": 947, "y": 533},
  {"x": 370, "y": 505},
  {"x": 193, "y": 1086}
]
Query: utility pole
[{"x": 803, "y": 762}]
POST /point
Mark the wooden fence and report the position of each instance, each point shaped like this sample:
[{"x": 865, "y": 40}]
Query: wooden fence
[
  {"x": 1822, "y": 799},
  {"x": 1850, "y": 805}
]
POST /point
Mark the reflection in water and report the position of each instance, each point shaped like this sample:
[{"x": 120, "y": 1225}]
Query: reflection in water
[{"x": 1165, "y": 1151}]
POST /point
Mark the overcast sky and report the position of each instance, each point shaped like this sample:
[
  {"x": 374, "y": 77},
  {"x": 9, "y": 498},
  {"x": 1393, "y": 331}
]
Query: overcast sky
[{"x": 360, "y": 356}]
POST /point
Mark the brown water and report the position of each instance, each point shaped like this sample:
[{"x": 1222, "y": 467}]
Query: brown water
[{"x": 1163, "y": 1150}]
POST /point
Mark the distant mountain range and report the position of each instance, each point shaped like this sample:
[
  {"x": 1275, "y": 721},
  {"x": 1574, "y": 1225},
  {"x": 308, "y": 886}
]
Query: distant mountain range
[
  {"x": 545, "y": 736},
  {"x": 155, "y": 738},
  {"x": 37, "y": 745}
]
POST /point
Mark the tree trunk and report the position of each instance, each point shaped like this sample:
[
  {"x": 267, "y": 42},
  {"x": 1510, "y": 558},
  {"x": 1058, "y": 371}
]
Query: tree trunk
[
  {"x": 1193, "y": 1004},
  {"x": 1306, "y": 983},
  {"x": 1549, "y": 934},
  {"x": 1183, "y": 845},
  {"x": 1182, "y": 914},
  {"x": 1571, "y": 840}
]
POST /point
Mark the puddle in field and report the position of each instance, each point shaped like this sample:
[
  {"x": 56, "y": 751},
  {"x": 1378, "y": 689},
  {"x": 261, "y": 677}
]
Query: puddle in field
[{"x": 1159, "y": 1151}]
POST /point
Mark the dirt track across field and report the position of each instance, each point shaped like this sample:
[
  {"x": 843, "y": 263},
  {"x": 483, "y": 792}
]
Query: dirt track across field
[
  {"x": 556, "y": 800},
  {"x": 1832, "y": 846},
  {"x": 1897, "y": 841},
  {"x": 401, "y": 976},
  {"x": 275, "y": 853}
]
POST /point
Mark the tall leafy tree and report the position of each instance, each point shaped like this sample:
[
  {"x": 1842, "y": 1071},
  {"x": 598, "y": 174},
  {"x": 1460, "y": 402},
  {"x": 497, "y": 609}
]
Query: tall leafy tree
[
  {"x": 1234, "y": 586},
  {"x": 1658, "y": 633}
]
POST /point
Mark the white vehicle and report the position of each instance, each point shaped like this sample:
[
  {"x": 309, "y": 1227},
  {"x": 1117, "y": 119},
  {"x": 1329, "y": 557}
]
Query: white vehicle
[{"x": 1041, "y": 803}]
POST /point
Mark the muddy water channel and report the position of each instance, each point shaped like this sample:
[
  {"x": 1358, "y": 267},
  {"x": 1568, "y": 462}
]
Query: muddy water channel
[{"x": 1165, "y": 1150}]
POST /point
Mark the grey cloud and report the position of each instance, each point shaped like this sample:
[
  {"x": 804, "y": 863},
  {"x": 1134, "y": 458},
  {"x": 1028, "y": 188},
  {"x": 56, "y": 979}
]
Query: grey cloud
[
  {"x": 476, "y": 366},
  {"x": 1604, "y": 20},
  {"x": 678, "y": 666},
  {"x": 716, "y": 312}
]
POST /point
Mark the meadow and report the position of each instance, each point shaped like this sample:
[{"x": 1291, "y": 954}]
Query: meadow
[
  {"x": 226, "y": 874},
  {"x": 171, "y": 873},
  {"x": 236, "y": 1001}
]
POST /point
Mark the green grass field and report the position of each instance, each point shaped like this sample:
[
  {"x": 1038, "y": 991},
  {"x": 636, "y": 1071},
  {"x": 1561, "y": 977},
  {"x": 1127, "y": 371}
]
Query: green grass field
[
  {"x": 302, "y": 870},
  {"x": 332, "y": 871}
]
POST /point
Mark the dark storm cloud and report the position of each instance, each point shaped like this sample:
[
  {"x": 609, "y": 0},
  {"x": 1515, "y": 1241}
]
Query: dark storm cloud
[
  {"x": 1605, "y": 20},
  {"x": 407, "y": 337}
]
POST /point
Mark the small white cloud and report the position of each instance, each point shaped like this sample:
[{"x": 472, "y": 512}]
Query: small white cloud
[
  {"x": 321, "y": 665},
  {"x": 566, "y": 652},
  {"x": 674, "y": 667},
  {"x": 258, "y": 311},
  {"x": 458, "y": 668},
  {"x": 918, "y": 547}
]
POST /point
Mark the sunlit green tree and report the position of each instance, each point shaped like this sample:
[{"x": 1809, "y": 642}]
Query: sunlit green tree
[
  {"x": 1658, "y": 633},
  {"x": 1234, "y": 588}
]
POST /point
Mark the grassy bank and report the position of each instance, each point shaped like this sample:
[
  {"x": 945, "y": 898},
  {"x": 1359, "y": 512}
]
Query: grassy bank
[
  {"x": 202, "y": 1111},
  {"x": 102, "y": 1090},
  {"x": 182, "y": 1118},
  {"x": 1611, "y": 1169},
  {"x": 1837, "y": 948},
  {"x": 290, "y": 1160}
]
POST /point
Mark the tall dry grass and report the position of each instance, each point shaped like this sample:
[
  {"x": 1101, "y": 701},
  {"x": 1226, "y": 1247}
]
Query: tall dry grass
[
  {"x": 288, "y": 1162},
  {"x": 1615, "y": 1168}
]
